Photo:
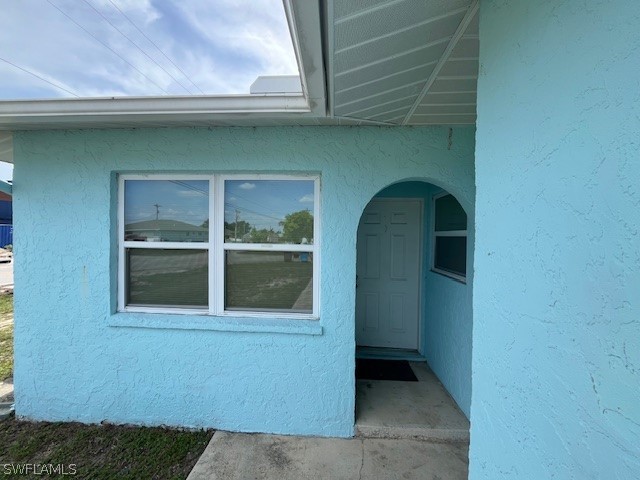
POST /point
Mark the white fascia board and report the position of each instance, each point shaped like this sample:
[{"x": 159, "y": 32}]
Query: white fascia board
[
  {"x": 39, "y": 110},
  {"x": 306, "y": 34}
]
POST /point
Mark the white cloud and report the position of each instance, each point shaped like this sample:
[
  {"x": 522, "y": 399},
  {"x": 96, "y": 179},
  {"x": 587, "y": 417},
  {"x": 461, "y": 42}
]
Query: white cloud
[
  {"x": 308, "y": 198},
  {"x": 222, "y": 47},
  {"x": 247, "y": 186},
  {"x": 191, "y": 193}
]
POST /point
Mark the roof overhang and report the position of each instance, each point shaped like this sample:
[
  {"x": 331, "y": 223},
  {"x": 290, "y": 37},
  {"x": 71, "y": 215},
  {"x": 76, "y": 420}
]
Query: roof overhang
[
  {"x": 88, "y": 112},
  {"x": 211, "y": 110},
  {"x": 403, "y": 62},
  {"x": 392, "y": 62}
]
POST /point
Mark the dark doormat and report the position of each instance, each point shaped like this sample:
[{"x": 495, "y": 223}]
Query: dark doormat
[{"x": 399, "y": 370}]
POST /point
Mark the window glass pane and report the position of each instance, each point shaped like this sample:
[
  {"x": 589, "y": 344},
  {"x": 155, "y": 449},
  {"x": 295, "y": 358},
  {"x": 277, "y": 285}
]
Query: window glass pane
[
  {"x": 451, "y": 254},
  {"x": 173, "y": 278},
  {"x": 278, "y": 281},
  {"x": 269, "y": 211},
  {"x": 449, "y": 214},
  {"x": 166, "y": 210}
]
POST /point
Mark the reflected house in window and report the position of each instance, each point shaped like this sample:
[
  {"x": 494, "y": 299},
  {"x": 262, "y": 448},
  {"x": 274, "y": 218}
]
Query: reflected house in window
[{"x": 164, "y": 231}]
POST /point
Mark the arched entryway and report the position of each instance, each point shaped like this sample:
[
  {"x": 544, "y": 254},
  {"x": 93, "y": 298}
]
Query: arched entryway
[{"x": 413, "y": 313}]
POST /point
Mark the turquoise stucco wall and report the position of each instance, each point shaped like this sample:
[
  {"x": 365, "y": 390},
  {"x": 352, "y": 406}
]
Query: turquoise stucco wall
[
  {"x": 556, "y": 357},
  {"x": 449, "y": 325},
  {"x": 78, "y": 360},
  {"x": 447, "y": 316}
]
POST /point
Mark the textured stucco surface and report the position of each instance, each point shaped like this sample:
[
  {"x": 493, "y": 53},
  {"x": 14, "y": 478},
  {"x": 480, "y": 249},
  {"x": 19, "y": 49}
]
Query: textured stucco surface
[
  {"x": 73, "y": 364},
  {"x": 447, "y": 317},
  {"x": 556, "y": 335}
]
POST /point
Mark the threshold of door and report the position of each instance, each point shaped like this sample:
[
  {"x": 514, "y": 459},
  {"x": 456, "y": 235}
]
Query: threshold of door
[{"x": 389, "y": 354}]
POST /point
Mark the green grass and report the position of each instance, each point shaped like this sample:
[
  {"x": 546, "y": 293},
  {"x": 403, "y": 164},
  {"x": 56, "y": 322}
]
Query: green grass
[
  {"x": 184, "y": 288},
  {"x": 266, "y": 285},
  {"x": 6, "y": 337},
  {"x": 6, "y": 306},
  {"x": 103, "y": 451},
  {"x": 6, "y": 352}
]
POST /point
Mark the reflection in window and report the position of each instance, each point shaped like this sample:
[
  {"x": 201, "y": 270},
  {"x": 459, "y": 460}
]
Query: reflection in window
[
  {"x": 166, "y": 210},
  {"x": 449, "y": 237},
  {"x": 158, "y": 277},
  {"x": 263, "y": 248},
  {"x": 276, "y": 281},
  {"x": 269, "y": 211}
]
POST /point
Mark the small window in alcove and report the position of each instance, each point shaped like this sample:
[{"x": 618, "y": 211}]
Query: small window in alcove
[{"x": 449, "y": 251}]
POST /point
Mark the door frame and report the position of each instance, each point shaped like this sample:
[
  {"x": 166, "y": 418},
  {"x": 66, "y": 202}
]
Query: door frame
[{"x": 421, "y": 258}]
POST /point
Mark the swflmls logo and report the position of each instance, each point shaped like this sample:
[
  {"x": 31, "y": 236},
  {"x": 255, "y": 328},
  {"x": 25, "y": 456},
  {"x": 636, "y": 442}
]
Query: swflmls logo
[{"x": 48, "y": 469}]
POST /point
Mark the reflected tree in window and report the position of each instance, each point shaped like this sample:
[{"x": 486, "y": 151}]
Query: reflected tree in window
[{"x": 298, "y": 227}]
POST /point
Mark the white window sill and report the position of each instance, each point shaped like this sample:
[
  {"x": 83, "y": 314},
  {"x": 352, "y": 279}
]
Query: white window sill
[
  {"x": 215, "y": 323},
  {"x": 445, "y": 273}
]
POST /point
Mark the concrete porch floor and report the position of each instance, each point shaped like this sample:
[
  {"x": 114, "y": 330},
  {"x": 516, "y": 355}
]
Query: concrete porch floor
[
  {"x": 419, "y": 410},
  {"x": 241, "y": 456},
  {"x": 405, "y": 430}
]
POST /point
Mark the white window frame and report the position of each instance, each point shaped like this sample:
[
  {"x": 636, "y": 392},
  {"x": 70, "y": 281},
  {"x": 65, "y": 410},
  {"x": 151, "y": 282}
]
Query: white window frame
[
  {"x": 216, "y": 247},
  {"x": 445, "y": 233}
]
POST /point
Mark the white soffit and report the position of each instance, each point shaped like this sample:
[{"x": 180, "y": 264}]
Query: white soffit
[{"x": 403, "y": 62}]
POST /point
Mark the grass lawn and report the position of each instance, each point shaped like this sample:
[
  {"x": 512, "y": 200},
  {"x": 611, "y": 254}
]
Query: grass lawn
[
  {"x": 6, "y": 337},
  {"x": 6, "y": 306},
  {"x": 6, "y": 352},
  {"x": 266, "y": 285},
  {"x": 101, "y": 451}
]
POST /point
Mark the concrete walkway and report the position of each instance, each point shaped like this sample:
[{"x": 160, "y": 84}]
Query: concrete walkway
[
  {"x": 405, "y": 430},
  {"x": 239, "y": 456},
  {"x": 420, "y": 410}
]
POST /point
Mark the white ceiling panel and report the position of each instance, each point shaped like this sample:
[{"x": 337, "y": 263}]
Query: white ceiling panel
[
  {"x": 474, "y": 27},
  {"x": 454, "y": 84},
  {"x": 448, "y": 98},
  {"x": 382, "y": 99},
  {"x": 404, "y": 61},
  {"x": 383, "y": 112},
  {"x": 390, "y": 17},
  {"x": 374, "y": 90},
  {"x": 357, "y": 74},
  {"x": 447, "y": 119},
  {"x": 457, "y": 68},
  {"x": 345, "y": 9},
  {"x": 457, "y": 109},
  {"x": 385, "y": 82},
  {"x": 418, "y": 38},
  {"x": 467, "y": 47}
]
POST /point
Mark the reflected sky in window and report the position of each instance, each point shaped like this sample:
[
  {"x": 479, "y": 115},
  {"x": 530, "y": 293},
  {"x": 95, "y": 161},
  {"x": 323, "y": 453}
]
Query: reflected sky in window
[
  {"x": 183, "y": 200},
  {"x": 269, "y": 211}
]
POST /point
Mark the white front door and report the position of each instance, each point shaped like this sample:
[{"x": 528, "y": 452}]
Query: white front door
[{"x": 388, "y": 274}]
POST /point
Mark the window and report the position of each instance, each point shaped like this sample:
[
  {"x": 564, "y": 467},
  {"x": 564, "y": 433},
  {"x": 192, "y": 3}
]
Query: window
[
  {"x": 222, "y": 245},
  {"x": 449, "y": 252}
]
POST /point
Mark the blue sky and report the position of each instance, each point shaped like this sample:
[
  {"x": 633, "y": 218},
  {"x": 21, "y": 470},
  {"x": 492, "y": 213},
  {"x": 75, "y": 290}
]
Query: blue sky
[
  {"x": 261, "y": 203},
  {"x": 215, "y": 47},
  {"x": 265, "y": 203},
  {"x": 183, "y": 200}
]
